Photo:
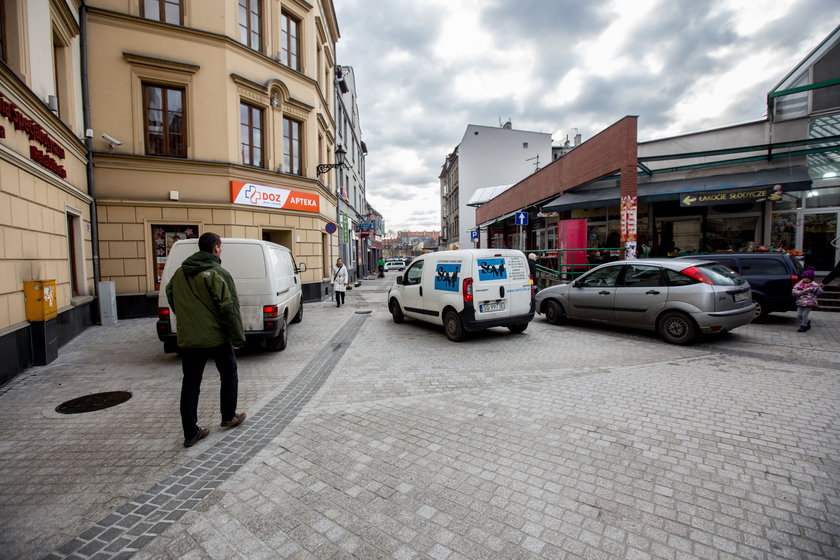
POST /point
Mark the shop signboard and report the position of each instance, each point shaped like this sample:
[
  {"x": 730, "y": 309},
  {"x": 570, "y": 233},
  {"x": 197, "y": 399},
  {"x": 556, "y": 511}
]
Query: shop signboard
[
  {"x": 251, "y": 194},
  {"x": 752, "y": 194}
]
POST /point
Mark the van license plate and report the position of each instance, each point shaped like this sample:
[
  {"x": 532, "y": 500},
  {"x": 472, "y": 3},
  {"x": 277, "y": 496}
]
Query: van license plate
[
  {"x": 500, "y": 306},
  {"x": 743, "y": 296}
]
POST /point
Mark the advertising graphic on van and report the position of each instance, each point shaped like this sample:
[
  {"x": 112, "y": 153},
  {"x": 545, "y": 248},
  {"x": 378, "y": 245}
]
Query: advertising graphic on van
[
  {"x": 447, "y": 277},
  {"x": 260, "y": 195},
  {"x": 492, "y": 269}
]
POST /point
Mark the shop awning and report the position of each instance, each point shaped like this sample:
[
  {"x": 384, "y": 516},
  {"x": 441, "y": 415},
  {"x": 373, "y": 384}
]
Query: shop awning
[
  {"x": 485, "y": 194},
  {"x": 792, "y": 179}
]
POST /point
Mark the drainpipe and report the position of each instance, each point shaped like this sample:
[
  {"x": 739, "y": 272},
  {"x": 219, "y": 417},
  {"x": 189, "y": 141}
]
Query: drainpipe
[{"x": 94, "y": 220}]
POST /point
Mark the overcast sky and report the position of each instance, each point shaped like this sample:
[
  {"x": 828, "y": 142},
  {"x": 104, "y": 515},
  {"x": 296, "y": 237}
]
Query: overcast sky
[{"x": 425, "y": 69}]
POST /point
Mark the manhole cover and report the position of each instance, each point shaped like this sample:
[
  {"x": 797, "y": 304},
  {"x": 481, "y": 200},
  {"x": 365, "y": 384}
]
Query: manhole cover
[{"x": 97, "y": 401}]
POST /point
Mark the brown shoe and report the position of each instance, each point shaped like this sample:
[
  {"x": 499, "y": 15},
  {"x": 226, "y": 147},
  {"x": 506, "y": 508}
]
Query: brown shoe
[
  {"x": 237, "y": 419},
  {"x": 200, "y": 435}
]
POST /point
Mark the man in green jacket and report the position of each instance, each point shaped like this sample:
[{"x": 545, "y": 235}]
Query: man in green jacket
[{"x": 202, "y": 295}]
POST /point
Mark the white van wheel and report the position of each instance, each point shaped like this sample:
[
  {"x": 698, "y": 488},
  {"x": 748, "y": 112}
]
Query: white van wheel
[
  {"x": 299, "y": 317},
  {"x": 396, "y": 312},
  {"x": 279, "y": 342},
  {"x": 453, "y": 326}
]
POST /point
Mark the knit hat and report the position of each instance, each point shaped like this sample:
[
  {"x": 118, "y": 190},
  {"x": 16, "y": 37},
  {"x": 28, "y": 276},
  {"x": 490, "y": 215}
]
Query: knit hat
[
  {"x": 532, "y": 256},
  {"x": 808, "y": 274}
]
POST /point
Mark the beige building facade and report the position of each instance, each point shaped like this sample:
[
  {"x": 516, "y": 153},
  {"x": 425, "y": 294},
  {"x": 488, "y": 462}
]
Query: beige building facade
[
  {"x": 211, "y": 115},
  {"x": 45, "y": 203}
]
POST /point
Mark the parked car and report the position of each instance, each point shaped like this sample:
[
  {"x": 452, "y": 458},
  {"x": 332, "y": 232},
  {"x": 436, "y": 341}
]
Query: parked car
[
  {"x": 267, "y": 284},
  {"x": 465, "y": 290},
  {"x": 680, "y": 299},
  {"x": 772, "y": 276},
  {"x": 394, "y": 265}
]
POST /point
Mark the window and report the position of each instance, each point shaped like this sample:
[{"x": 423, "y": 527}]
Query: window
[
  {"x": 3, "y": 56},
  {"x": 642, "y": 276},
  {"x": 74, "y": 253},
  {"x": 249, "y": 23},
  {"x": 167, "y": 11},
  {"x": 289, "y": 41},
  {"x": 251, "y": 127},
  {"x": 603, "y": 277},
  {"x": 163, "y": 118},
  {"x": 291, "y": 147}
]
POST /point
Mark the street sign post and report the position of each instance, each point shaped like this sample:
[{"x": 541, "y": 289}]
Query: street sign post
[{"x": 521, "y": 220}]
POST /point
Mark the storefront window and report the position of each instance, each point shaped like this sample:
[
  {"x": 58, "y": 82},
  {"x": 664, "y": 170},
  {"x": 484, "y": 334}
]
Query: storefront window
[
  {"x": 163, "y": 237},
  {"x": 789, "y": 201},
  {"x": 723, "y": 234},
  {"x": 783, "y": 231},
  {"x": 823, "y": 198}
]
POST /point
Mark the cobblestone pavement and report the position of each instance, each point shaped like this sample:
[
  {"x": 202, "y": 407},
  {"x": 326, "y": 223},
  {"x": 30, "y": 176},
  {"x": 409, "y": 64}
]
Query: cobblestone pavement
[{"x": 367, "y": 439}]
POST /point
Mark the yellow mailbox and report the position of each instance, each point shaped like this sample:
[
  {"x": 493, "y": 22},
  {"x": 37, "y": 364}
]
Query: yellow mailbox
[{"x": 41, "y": 300}]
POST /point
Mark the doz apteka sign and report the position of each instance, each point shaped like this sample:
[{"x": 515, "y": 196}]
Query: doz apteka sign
[{"x": 251, "y": 194}]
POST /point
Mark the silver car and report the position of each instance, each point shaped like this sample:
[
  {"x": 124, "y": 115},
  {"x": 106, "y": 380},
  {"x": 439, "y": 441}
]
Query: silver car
[{"x": 678, "y": 298}]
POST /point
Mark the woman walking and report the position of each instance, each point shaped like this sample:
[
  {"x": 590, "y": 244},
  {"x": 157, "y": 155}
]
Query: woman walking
[{"x": 339, "y": 282}]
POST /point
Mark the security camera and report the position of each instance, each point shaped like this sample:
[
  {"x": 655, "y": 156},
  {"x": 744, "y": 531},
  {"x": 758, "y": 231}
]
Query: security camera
[{"x": 111, "y": 140}]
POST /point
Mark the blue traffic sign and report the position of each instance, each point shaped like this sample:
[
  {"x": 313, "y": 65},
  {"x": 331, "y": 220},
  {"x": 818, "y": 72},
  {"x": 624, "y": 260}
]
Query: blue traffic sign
[
  {"x": 474, "y": 234},
  {"x": 521, "y": 218}
]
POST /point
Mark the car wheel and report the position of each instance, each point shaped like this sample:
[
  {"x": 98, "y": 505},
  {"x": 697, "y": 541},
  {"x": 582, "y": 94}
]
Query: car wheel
[
  {"x": 396, "y": 312},
  {"x": 677, "y": 328},
  {"x": 280, "y": 341},
  {"x": 453, "y": 326},
  {"x": 517, "y": 329},
  {"x": 761, "y": 311},
  {"x": 554, "y": 312},
  {"x": 299, "y": 316}
]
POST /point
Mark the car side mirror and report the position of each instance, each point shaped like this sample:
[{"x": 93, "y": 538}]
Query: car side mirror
[
  {"x": 400, "y": 280},
  {"x": 301, "y": 268},
  {"x": 576, "y": 284}
]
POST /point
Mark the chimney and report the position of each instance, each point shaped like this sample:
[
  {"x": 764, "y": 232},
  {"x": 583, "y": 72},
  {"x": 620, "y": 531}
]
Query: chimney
[{"x": 577, "y": 138}]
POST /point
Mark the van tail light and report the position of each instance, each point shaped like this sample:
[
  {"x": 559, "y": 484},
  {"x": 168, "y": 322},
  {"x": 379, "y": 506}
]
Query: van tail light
[
  {"x": 794, "y": 279},
  {"x": 697, "y": 274},
  {"x": 270, "y": 313},
  {"x": 163, "y": 313},
  {"x": 468, "y": 290}
]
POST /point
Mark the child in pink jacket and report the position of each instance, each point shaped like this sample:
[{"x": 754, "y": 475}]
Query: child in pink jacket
[{"x": 806, "y": 291}]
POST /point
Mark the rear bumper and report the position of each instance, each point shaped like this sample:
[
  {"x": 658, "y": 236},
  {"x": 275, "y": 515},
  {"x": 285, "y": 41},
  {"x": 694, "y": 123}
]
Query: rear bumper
[
  {"x": 726, "y": 320},
  {"x": 473, "y": 324}
]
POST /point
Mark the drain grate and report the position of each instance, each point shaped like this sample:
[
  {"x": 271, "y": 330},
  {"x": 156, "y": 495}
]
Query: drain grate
[{"x": 90, "y": 403}]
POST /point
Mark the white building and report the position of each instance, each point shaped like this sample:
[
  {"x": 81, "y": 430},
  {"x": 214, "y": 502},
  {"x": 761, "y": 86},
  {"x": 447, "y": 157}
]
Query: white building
[
  {"x": 352, "y": 207},
  {"x": 487, "y": 156}
]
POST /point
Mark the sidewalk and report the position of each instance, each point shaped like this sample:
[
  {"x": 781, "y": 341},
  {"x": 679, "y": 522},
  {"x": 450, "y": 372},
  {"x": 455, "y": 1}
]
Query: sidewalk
[{"x": 367, "y": 439}]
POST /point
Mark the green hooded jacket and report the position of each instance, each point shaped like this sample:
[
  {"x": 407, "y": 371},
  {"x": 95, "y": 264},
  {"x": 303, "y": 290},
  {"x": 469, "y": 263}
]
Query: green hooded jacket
[{"x": 202, "y": 295}]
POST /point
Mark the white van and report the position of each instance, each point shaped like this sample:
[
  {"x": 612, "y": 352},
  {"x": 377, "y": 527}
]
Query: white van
[
  {"x": 465, "y": 290},
  {"x": 267, "y": 284}
]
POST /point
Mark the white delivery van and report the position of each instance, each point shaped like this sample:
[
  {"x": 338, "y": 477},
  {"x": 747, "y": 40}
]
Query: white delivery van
[
  {"x": 267, "y": 284},
  {"x": 465, "y": 290}
]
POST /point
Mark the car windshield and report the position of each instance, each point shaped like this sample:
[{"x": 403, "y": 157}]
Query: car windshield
[{"x": 720, "y": 275}]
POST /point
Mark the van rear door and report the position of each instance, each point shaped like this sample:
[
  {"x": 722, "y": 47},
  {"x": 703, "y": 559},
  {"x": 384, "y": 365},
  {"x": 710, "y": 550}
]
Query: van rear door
[
  {"x": 247, "y": 264},
  {"x": 502, "y": 287}
]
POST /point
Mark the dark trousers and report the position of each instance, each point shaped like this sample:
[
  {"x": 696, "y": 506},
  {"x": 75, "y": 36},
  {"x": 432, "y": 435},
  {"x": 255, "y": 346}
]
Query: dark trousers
[
  {"x": 339, "y": 298},
  {"x": 193, "y": 361},
  {"x": 835, "y": 272}
]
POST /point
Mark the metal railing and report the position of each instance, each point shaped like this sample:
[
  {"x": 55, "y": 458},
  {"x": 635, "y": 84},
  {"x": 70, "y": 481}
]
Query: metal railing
[{"x": 571, "y": 263}]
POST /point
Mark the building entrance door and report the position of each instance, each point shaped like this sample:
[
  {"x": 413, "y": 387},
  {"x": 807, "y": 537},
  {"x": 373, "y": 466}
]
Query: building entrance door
[{"x": 818, "y": 231}]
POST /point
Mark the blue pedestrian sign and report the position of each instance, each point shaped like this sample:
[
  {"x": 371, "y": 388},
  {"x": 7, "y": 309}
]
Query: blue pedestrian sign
[
  {"x": 522, "y": 218},
  {"x": 474, "y": 234}
]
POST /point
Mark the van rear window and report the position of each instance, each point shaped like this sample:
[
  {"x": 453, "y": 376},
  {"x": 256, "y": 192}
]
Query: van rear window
[{"x": 243, "y": 261}]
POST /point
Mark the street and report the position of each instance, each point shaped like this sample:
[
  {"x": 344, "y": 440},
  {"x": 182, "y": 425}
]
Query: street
[{"x": 368, "y": 439}]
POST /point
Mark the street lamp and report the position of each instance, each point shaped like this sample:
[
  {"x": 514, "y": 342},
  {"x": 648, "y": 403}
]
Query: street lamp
[{"x": 339, "y": 161}]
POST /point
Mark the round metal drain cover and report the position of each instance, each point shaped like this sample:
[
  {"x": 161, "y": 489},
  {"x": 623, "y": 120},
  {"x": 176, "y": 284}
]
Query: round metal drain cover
[
  {"x": 363, "y": 312},
  {"x": 97, "y": 401}
]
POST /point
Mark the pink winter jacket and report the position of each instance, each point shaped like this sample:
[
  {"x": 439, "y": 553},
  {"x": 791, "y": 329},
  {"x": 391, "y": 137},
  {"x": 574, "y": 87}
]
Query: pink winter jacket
[{"x": 806, "y": 294}]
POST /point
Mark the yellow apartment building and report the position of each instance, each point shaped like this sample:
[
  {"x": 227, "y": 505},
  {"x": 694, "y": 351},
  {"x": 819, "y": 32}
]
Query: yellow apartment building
[
  {"x": 210, "y": 115},
  {"x": 46, "y": 250}
]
